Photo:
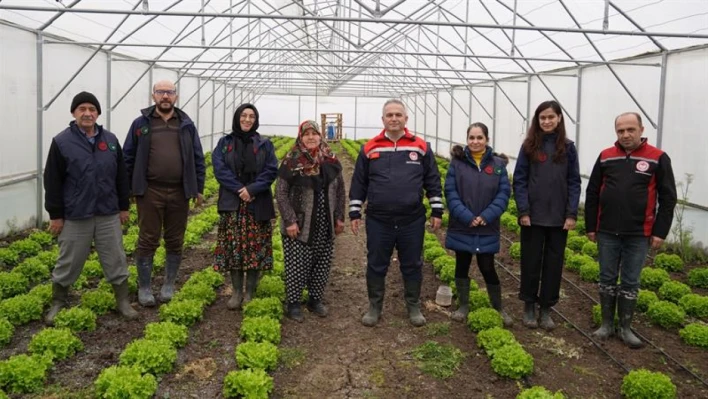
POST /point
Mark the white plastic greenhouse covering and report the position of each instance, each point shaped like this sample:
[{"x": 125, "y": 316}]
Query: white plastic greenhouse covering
[{"x": 452, "y": 62}]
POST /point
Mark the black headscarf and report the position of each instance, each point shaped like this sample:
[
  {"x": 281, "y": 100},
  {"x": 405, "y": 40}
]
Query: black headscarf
[{"x": 243, "y": 145}]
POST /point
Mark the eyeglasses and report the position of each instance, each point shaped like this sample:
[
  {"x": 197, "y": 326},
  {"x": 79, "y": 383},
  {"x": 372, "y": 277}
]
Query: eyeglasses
[{"x": 163, "y": 92}]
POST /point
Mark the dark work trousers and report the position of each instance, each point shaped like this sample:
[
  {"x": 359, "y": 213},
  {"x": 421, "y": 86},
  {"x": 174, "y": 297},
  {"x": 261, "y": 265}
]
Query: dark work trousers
[
  {"x": 162, "y": 208},
  {"x": 484, "y": 261},
  {"x": 542, "y": 256},
  {"x": 383, "y": 237}
]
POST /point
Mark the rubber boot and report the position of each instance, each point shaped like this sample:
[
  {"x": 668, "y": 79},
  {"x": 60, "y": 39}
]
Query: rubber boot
[
  {"x": 530, "y": 320},
  {"x": 171, "y": 268},
  {"x": 411, "y": 292},
  {"x": 60, "y": 297},
  {"x": 625, "y": 308},
  {"x": 237, "y": 285},
  {"x": 494, "y": 292},
  {"x": 144, "y": 266},
  {"x": 122, "y": 292},
  {"x": 546, "y": 322},
  {"x": 463, "y": 297},
  {"x": 251, "y": 284},
  {"x": 317, "y": 307},
  {"x": 608, "y": 305},
  {"x": 295, "y": 312},
  {"x": 376, "y": 287}
]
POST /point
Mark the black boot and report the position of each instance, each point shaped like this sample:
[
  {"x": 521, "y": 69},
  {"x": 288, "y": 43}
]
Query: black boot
[
  {"x": 237, "y": 285},
  {"x": 251, "y": 284},
  {"x": 295, "y": 312},
  {"x": 494, "y": 292},
  {"x": 122, "y": 293},
  {"x": 144, "y": 266},
  {"x": 60, "y": 297},
  {"x": 376, "y": 287},
  {"x": 168, "y": 285},
  {"x": 463, "y": 296},
  {"x": 608, "y": 304},
  {"x": 545, "y": 321},
  {"x": 625, "y": 309},
  {"x": 411, "y": 293},
  {"x": 530, "y": 320},
  {"x": 317, "y": 307}
]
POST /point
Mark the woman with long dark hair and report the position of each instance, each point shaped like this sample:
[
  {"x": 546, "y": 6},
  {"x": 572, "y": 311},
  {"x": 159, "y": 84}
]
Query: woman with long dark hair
[
  {"x": 547, "y": 192},
  {"x": 477, "y": 192},
  {"x": 245, "y": 167}
]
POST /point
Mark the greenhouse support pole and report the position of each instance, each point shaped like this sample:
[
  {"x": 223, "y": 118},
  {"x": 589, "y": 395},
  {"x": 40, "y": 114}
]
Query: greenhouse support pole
[
  {"x": 425, "y": 114},
  {"x": 299, "y": 110},
  {"x": 469, "y": 116},
  {"x": 452, "y": 113},
  {"x": 437, "y": 118},
  {"x": 150, "y": 83},
  {"x": 494, "y": 116},
  {"x": 109, "y": 72},
  {"x": 662, "y": 99},
  {"x": 199, "y": 94},
  {"x": 223, "y": 117},
  {"x": 213, "y": 90},
  {"x": 356, "y": 107},
  {"x": 40, "y": 126},
  {"x": 527, "y": 123},
  {"x": 579, "y": 92}
]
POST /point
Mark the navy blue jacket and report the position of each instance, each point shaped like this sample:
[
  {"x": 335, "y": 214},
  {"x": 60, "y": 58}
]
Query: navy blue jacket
[
  {"x": 137, "y": 150},
  {"x": 224, "y": 163},
  {"x": 83, "y": 180},
  {"x": 392, "y": 176},
  {"x": 473, "y": 190},
  {"x": 545, "y": 190}
]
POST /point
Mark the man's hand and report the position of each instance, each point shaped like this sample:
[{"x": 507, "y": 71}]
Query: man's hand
[
  {"x": 292, "y": 231},
  {"x": 56, "y": 226},
  {"x": 244, "y": 195},
  {"x": 124, "y": 217},
  {"x": 592, "y": 236},
  {"x": 355, "y": 226},
  {"x": 435, "y": 223},
  {"x": 656, "y": 242},
  {"x": 199, "y": 200},
  {"x": 338, "y": 227},
  {"x": 569, "y": 224},
  {"x": 525, "y": 220}
]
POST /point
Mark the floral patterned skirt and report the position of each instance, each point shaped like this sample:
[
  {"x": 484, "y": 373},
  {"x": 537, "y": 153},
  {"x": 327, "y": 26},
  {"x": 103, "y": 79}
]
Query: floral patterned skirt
[{"x": 243, "y": 243}]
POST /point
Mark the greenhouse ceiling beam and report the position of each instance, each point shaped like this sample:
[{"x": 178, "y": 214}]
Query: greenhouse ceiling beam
[
  {"x": 544, "y": 34},
  {"x": 88, "y": 60},
  {"x": 142, "y": 25},
  {"x": 570, "y": 75},
  {"x": 614, "y": 73},
  {"x": 540, "y": 79},
  {"x": 377, "y": 12},
  {"x": 685, "y": 35},
  {"x": 452, "y": 55},
  {"x": 633, "y": 22},
  {"x": 59, "y": 13}
]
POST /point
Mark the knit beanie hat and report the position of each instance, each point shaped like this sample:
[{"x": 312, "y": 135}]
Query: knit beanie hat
[{"x": 85, "y": 97}]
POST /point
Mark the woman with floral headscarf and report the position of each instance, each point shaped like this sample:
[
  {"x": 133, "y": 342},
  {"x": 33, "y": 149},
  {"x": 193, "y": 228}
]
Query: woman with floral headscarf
[
  {"x": 245, "y": 167},
  {"x": 310, "y": 195}
]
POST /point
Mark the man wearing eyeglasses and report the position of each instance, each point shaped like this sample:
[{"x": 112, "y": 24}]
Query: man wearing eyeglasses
[{"x": 165, "y": 166}]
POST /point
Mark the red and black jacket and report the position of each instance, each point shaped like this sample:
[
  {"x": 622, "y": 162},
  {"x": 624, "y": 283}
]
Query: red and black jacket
[
  {"x": 631, "y": 193},
  {"x": 391, "y": 178}
]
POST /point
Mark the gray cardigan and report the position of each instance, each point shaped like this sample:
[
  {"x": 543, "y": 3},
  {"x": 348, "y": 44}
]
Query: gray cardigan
[{"x": 296, "y": 202}]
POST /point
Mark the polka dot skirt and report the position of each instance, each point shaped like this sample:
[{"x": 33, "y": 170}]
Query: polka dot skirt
[{"x": 307, "y": 265}]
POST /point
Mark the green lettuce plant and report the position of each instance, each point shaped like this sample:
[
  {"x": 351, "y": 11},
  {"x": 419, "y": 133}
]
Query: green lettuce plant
[
  {"x": 512, "y": 361},
  {"x": 252, "y": 384},
  {"x": 122, "y": 382},
  {"x": 695, "y": 334},
  {"x": 260, "y": 329},
  {"x": 59, "y": 343},
  {"x": 257, "y": 355},
  {"x": 76, "y": 319},
  {"x": 644, "y": 384},
  {"x": 484, "y": 318},
  {"x": 174, "y": 334},
  {"x": 154, "y": 357}
]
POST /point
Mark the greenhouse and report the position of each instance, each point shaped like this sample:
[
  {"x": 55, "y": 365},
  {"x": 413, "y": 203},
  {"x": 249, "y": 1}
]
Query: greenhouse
[{"x": 330, "y": 71}]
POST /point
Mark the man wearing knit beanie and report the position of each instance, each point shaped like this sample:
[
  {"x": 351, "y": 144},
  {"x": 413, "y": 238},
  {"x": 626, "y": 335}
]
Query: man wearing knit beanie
[
  {"x": 83, "y": 98},
  {"x": 87, "y": 198}
]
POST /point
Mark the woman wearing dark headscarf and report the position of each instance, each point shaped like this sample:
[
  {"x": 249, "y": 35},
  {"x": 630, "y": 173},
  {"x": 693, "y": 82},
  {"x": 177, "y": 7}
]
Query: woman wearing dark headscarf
[
  {"x": 310, "y": 193},
  {"x": 245, "y": 167}
]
